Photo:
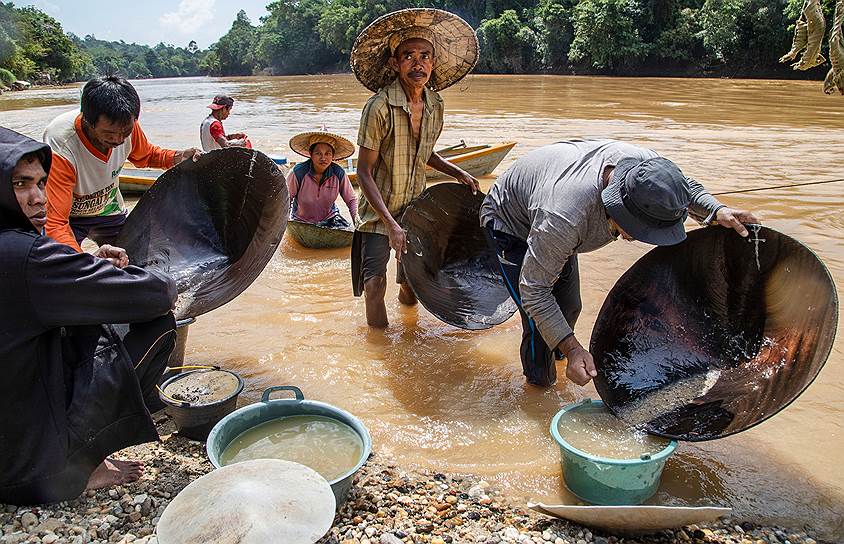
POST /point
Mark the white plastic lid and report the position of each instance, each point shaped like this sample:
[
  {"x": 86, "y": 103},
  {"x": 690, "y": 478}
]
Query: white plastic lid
[{"x": 252, "y": 502}]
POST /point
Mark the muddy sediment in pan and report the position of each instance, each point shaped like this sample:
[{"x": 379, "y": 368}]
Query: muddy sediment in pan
[{"x": 206, "y": 387}]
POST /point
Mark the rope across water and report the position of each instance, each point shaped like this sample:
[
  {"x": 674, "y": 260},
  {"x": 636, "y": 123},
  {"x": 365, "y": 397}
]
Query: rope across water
[{"x": 777, "y": 187}]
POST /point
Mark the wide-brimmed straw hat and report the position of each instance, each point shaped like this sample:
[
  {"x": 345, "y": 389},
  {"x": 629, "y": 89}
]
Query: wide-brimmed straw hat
[
  {"x": 455, "y": 46},
  {"x": 649, "y": 199},
  {"x": 302, "y": 142}
]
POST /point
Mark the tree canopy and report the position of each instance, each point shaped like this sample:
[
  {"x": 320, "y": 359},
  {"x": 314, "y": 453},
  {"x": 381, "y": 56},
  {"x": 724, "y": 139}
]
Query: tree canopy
[
  {"x": 625, "y": 37},
  {"x": 628, "y": 37}
]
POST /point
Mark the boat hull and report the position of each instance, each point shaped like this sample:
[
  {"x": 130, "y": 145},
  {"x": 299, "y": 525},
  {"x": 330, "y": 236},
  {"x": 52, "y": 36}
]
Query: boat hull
[
  {"x": 316, "y": 237},
  {"x": 478, "y": 160}
]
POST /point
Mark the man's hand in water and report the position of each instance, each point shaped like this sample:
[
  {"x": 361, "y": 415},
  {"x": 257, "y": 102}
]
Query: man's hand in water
[
  {"x": 735, "y": 219},
  {"x": 580, "y": 367},
  {"x": 115, "y": 255}
]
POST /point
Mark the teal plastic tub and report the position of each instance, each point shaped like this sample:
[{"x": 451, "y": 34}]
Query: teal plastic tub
[
  {"x": 608, "y": 482},
  {"x": 243, "y": 419}
]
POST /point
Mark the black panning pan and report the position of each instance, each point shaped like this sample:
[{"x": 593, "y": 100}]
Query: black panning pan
[
  {"x": 213, "y": 225},
  {"x": 712, "y": 336},
  {"x": 448, "y": 264}
]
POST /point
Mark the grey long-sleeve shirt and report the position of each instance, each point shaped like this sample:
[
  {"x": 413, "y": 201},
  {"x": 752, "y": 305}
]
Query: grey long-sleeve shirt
[{"x": 551, "y": 198}]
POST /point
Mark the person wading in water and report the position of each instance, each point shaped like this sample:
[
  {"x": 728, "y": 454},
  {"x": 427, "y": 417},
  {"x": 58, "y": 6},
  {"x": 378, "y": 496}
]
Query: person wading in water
[
  {"x": 89, "y": 149},
  {"x": 405, "y": 57},
  {"x": 574, "y": 197}
]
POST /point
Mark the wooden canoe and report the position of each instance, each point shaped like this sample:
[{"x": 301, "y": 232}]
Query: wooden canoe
[
  {"x": 316, "y": 237},
  {"x": 478, "y": 160}
]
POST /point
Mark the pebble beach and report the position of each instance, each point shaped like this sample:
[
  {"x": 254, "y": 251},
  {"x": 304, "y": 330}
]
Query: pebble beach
[{"x": 387, "y": 505}]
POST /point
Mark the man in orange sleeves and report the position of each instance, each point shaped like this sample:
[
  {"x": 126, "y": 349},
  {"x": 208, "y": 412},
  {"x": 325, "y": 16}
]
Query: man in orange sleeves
[{"x": 89, "y": 149}]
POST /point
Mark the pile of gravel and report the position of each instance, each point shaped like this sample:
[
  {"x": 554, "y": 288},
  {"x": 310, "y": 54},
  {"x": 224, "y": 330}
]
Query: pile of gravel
[{"x": 386, "y": 505}]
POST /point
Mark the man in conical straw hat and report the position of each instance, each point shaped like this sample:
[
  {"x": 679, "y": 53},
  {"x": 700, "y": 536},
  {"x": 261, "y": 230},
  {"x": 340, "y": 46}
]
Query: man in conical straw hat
[
  {"x": 405, "y": 57},
  {"x": 315, "y": 184}
]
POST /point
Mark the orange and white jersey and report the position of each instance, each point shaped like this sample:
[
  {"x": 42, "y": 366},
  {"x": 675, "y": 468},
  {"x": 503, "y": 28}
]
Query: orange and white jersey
[{"x": 84, "y": 182}]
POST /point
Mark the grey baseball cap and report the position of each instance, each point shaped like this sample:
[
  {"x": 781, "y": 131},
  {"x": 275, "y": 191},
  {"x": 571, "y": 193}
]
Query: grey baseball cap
[{"x": 649, "y": 199}]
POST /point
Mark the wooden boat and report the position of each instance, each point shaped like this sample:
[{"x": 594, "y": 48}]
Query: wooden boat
[
  {"x": 478, "y": 160},
  {"x": 137, "y": 180},
  {"x": 316, "y": 237}
]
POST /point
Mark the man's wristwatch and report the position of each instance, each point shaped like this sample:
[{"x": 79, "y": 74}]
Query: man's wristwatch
[{"x": 711, "y": 217}]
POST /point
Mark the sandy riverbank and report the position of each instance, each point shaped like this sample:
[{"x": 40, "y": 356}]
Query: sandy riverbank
[{"x": 387, "y": 505}]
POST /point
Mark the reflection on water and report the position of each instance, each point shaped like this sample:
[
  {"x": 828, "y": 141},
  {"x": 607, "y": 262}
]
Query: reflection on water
[{"x": 446, "y": 399}]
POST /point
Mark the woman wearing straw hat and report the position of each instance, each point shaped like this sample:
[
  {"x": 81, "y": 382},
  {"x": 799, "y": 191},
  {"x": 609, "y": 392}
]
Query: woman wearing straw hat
[
  {"x": 405, "y": 57},
  {"x": 315, "y": 183}
]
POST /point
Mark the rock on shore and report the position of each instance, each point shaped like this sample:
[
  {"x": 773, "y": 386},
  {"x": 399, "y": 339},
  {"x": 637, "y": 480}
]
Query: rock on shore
[{"x": 387, "y": 505}]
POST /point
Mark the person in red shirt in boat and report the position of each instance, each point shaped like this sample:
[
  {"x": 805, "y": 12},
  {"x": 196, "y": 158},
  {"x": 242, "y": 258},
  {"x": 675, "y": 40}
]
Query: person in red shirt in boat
[{"x": 211, "y": 132}]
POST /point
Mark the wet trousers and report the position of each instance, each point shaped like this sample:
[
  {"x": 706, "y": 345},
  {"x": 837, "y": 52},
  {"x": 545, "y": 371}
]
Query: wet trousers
[
  {"x": 148, "y": 346},
  {"x": 538, "y": 358},
  {"x": 102, "y": 229},
  {"x": 105, "y": 378}
]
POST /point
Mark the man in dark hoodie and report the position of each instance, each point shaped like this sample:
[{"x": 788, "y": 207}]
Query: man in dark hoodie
[{"x": 74, "y": 390}]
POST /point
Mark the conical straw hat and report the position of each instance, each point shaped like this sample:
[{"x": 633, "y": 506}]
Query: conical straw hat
[
  {"x": 455, "y": 46},
  {"x": 302, "y": 142}
]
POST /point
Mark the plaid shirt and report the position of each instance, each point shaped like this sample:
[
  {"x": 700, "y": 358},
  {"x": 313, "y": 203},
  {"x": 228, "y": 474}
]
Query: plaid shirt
[{"x": 400, "y": 171}]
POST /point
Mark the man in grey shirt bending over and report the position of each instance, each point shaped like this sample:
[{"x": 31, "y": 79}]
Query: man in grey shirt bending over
[{"x": 573, "y": 197}]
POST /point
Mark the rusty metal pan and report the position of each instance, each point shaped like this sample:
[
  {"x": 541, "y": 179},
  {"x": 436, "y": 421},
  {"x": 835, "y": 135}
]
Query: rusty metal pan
[
  {"x": 714, "y": 335},
  {"x": 448, "y": 263},
  {"x": 213, "y": 225}
]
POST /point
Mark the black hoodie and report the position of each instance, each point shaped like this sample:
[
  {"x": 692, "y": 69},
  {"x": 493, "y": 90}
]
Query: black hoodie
[
  {"x": 13, "y": 146},
  {"x": 62, "y": 413}
]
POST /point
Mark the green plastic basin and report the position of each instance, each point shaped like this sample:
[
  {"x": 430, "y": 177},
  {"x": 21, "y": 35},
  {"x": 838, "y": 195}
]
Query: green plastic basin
[
  {"x": 609, "y": 482},
  {"x": 243, "y": 419}
]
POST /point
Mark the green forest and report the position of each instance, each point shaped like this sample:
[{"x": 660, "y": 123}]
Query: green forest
[{"x": 733, "y": 38}]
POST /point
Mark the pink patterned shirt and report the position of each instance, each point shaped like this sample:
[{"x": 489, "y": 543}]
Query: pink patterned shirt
[{"x": 315, "y": 202}]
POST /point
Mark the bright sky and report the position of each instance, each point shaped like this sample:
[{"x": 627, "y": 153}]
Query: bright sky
[{"x": 150, "y": 21}]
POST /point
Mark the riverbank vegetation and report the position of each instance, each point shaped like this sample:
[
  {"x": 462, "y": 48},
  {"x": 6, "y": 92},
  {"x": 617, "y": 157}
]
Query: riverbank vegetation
[
  {"x": 739, "y": 38},
  {"x": 34, "y": 47}
]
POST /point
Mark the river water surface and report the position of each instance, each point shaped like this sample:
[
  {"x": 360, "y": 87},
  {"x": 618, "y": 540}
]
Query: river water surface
[{"x": 445, "y": 399}]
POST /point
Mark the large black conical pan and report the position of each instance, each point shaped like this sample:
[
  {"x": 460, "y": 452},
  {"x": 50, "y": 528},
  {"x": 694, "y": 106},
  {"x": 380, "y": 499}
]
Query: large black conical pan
[
  {"x": 213, "y": 225},
  {"x": 448, "y": 264},
  {"x": 710, "y": 337}
]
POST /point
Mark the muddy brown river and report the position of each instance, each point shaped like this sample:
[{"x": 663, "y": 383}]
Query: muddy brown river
[{"x": 445, "y": 399}]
